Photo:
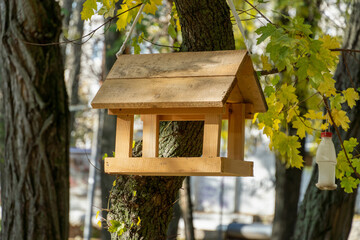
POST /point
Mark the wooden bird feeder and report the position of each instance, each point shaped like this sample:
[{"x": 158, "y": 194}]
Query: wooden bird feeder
[{"x": 189, "y": 86}]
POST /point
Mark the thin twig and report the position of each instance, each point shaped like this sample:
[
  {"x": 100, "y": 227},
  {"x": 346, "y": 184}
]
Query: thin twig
[
  {"x": 90, "y": 34},
  {"x": 344, "y": 50},
  {"x": 156, "y": 44},
  {"x": 259, "y": 12},
  {"x": 305, "y": 123},
  {"x": 339, "y": 136},
  {"x": 269, "y": 72},
  {"x": 91, "y": 162}
]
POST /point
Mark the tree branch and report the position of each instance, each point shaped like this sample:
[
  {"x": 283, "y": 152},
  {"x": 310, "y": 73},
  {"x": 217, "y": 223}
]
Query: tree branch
[{"x": 90, "y": 34}]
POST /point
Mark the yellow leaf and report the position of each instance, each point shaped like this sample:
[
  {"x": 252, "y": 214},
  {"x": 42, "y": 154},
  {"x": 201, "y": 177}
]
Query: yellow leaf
[
  {"x": 261, "y": 126},
  {"x": 107, "y": 4},
  {"x": 324, "y": 126},
  {"x": 97, "y": 214},
  {"x": 330, "y": 43},
  {"x": 314, "y": 115},
  {"x": 114, "y": 183},
  {"x": 89, "y": 8},
  {"x": 255, "y": 117},
  {"x": 151, "y": 7},
  {"x": 292, "y": 113},
  {"x": 268, "y": 131},
  {"x": 276, "y": 124},
  {"x": 133, "y": 144},
  {"x": 123, "y": 19},
  {"x": 327, "y": 87},
  {"x": 351, "y": 96},
  {"x": 265, "y": 63},
  {"x": 139, "y": 221},
  {"x": 340, "y": 118},
  {"x": 99, "y": 223},
  {"x": 302, "y": 127}
]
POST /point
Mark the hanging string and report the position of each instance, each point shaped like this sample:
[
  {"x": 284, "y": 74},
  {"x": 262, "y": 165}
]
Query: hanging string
[
  {"x": 130, "y": 32},
  {"x": 239, "y": 24}
]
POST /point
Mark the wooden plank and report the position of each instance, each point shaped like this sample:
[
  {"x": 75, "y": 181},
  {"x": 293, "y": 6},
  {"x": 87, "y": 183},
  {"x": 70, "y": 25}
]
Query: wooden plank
[
  {"x": 212, "y": 130},
  {"x": 150, "y": 146},
  {"x": 124, "y": 136},
  {"x": 199, "y": 92},
  {"x": 249, "y": 86},
  {"x": 184, "y": 64},
  {"x": 249, "y": 111},
  {"x": 239, "y": 168},
  {"x": 191, "y": 166},
  {"x": 236, "y": 132},
  {"x": 166, "y": 111},
  {"x": 235, "y": 96}
]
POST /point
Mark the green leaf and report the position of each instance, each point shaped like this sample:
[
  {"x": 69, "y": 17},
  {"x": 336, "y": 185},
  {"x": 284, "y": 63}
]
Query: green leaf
[
  {"x": 336, "y": 101},
  {"x": 265, "y": 32},
  {"x": 172, "y": 32},
  {"x": 349, "y": 183},
  {"x": 269, "y": 90}
]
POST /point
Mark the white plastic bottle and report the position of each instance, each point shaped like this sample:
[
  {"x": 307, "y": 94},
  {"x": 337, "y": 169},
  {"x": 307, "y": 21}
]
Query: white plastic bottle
[{"x": 326, "y": 159}]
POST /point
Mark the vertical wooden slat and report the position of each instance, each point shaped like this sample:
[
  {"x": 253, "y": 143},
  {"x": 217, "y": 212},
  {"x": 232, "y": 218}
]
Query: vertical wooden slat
[
  {"x": 236, "y": 134},
  {"x": 150, "y": 135},
  {"x": 212, "y": 130},
  {"x": 124, "y": 135}
]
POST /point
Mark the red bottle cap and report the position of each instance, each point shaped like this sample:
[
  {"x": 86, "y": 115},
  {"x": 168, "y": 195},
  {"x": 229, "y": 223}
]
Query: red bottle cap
[{"x": 326, "y": 134}]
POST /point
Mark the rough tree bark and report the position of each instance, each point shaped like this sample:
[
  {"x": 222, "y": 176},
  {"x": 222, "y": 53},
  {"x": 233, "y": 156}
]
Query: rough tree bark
[
  {"x": 35, "y": 173},
  {"x": 205, "y": 26},
  {"x": 328, "y": 214}
]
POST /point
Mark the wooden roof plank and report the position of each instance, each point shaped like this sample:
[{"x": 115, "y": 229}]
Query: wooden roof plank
[
  {"x": 183, "y": 64},
  {"x": 164, "y": 93}
]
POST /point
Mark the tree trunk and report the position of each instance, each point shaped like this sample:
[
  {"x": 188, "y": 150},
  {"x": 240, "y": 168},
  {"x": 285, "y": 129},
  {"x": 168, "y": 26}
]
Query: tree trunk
[
  {"x": 187, "y": 209},
  {"x": 75, "y": 60},
  {"x": 205, "y": 26},
  {"x": 287, "y": 190},
  {"x": 328, "y": 214},
  {"x": 35, "y": 173}
]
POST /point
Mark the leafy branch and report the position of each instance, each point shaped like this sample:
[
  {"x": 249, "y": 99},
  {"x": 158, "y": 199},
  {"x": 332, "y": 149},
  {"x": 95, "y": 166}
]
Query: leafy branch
[{"x": 338, "y": 135}]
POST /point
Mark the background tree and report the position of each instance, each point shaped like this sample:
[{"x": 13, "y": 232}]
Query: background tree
[
  {"x": 35, "y": 173},
  {"x": 329, "y": 214}
]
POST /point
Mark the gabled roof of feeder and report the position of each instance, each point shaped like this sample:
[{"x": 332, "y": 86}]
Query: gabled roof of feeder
[{"x": 181, "y": 80}]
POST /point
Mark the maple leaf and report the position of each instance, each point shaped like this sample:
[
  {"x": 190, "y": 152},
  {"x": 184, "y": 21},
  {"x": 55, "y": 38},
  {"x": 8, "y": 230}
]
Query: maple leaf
[
  {"x": 124, "y": 18},
  {"x": 265, "y": 62},
  {"x": 265, "y": 32},
  {"x": 302, "y": 127},
  {"x": 314, "y": 115},
  {"x": 351, "y": 96},
  {"x": 327, "y": 86},
  {"x": 349, "y": 183},
  {"x": 292, "y": 112},
  {"x": 340, "y": 118},
  {"x": 89, "y": 9}
]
